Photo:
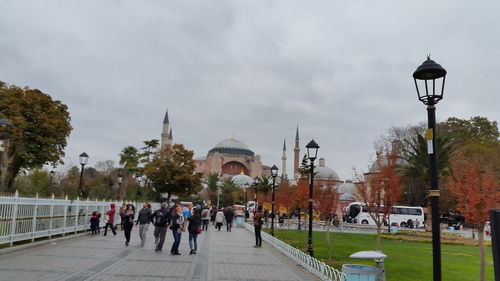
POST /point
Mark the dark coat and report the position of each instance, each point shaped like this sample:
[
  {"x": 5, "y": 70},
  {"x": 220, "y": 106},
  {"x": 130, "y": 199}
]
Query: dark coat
[
  {"x": 144, "y": 216},
  {"x": 194, "y": 223}
]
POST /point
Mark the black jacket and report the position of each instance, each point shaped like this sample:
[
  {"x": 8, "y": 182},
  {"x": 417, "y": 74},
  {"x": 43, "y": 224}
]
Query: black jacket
[
  {"x": 165, "y": 212},
  {"x": 194, "y": 223},
  {"x": 144, "y": 216}
]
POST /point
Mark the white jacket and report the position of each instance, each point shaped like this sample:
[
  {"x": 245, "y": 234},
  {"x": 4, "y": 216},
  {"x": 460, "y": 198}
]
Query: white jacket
[{"x": 219, "y": 217}]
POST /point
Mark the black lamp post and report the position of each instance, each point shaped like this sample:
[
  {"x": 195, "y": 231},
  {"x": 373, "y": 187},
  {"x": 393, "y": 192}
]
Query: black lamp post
[
  {"x": 312, "y": 153},
  {"x": 84, "y": 158},
  {"x": 274, "y": 174},
  {"x": 51, "y": 176},
  {"x": 138, "y": 179},
  {"x": 246, "y": 192},
  {"x": 5, "y": 124},
  {"x": 430, "y": 92}
]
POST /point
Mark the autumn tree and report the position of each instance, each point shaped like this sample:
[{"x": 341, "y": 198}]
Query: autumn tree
[
  {"x": 172, "y": 171},
  {"x": 325, "y": 202},
  {"x": 476, "y": 192},
  {"x": 382, "y": 189},
  {"x": 39, "y": 133}
]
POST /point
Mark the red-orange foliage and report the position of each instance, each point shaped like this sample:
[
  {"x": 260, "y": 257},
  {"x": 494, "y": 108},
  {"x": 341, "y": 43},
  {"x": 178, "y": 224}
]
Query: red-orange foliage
[
  {"x": 325, "y": 200},
  {"x": 475, "y": 190},
  {"x": 301, "y": 198},
  {"x": 284, "y": 197},
  {"x": 382, "y": 189},
  {"x": 476, "y": 193}
]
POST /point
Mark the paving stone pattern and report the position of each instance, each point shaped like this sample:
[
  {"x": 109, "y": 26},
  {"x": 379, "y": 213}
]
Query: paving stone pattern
[{"x": 221, "y": 256}]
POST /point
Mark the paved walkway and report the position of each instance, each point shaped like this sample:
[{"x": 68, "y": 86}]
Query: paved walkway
[{"x": 221, "y": 256}]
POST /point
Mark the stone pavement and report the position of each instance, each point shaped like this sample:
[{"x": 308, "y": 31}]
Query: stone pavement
[{"x": 221, "y": 256}]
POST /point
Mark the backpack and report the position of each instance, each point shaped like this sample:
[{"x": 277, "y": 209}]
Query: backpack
[{"x": 160, "y": 219}]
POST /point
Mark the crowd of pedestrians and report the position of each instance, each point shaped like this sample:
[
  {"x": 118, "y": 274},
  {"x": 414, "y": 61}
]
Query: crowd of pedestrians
[{"x": 174, "y": 217}]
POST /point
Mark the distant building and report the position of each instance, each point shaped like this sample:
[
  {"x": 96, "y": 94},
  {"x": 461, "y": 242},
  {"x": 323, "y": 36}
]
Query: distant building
[{"x": 231, "y": 157}]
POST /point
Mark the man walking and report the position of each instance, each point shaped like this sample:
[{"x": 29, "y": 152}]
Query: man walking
[
  {"x": 257, "y": 224},
  {"x": 205, "y": 218},
  {"x": 229, "y": 215},
  {"x": 143, "y": 220},
  {"x": 161, "y": 220}
]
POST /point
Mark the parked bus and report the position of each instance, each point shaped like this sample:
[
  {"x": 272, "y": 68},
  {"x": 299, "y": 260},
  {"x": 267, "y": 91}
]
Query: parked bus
[{"x": 404, "y": 216}]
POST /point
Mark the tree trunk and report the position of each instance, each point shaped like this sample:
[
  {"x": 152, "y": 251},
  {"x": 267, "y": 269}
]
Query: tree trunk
[
  {"x": 379, "y": 236},
  {"x": 328, "y": 241},
  {"x": 482, "y": 263}
]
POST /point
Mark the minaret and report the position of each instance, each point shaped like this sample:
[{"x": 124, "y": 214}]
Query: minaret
[
  {"x": 283, "y": 161},
  {"x": 166, "y": 133},
  {"x": 296, "y": 156}
]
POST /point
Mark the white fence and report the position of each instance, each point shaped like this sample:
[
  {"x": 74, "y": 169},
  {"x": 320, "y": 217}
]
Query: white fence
[
  {"x": 24, "y": 218},
  {"x": 316, "y": 267}
]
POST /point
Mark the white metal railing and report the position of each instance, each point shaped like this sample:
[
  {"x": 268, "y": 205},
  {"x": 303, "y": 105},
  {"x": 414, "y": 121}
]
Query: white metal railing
[
  {"x": 24, "y": 218},
  {"x": 316, "y": 267}
]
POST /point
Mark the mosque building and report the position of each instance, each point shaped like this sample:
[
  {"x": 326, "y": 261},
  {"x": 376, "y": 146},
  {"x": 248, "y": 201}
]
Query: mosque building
[{"x": 233, "y": 158}]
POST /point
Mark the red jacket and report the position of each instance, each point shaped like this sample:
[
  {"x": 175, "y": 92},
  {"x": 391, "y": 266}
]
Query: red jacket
[{"x": 111, "y": 214}]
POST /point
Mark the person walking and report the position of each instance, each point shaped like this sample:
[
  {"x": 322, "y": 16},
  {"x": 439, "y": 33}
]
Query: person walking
[
  {"x": 161, "y": 220},
  {"x": 143, "y": 220},
  {"x": 111, "y": 219},
  {"x": 219, "y": 219},
  {"x": 122, "y": 214},
  {"x": 257, "y": 224},
  {"x": 229, "y": 215},
  {"x": 128, "y": 222},
  {"x": 177, "y": 226},
  {"x": 194, "y": 228},
  {"x": 205, "y": 218},
  {"x": 94, "y": 223}
]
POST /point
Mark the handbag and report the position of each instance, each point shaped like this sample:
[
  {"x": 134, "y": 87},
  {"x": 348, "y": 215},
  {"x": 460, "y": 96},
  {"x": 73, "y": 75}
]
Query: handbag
[{"x": 198, "y": 230}]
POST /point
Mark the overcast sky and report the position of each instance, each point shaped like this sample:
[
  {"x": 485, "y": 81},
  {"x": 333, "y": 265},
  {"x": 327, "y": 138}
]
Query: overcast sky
[{"x": 341, "y": 70}]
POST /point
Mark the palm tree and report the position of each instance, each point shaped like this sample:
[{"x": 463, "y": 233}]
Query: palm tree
[{"x": 415, "y": 166}]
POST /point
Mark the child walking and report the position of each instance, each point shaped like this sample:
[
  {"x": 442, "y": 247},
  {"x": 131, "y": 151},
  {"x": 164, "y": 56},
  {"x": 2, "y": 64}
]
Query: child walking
[{"x": 94, "y": 223}]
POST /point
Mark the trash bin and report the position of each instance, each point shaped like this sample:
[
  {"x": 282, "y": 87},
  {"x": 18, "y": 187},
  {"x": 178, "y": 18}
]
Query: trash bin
[
  {"x": 394, "y": 229},
  {"x": 239, "y": 221},
  {"x": 359, "y": 272}
]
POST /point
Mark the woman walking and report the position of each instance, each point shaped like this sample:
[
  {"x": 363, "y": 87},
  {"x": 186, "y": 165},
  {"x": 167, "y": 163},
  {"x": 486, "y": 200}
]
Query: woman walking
[
  {"x": 177, "y": 227},
  {"x": 205, "y": 218},
  {"x": 143, "y": 220},
  {"x": 128, "y": 222},
  {"x": 194, "y": 229},
  {"x": 219, "y": 219}
]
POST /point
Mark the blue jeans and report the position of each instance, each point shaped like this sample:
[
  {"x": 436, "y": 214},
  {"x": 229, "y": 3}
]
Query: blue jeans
[
  {"x": 177, "y": 241},
  {"x": 193, "y": 245}
]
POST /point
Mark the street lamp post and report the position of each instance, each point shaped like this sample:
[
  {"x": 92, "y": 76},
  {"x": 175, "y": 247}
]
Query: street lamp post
[
  {"x": 138, "y": 179},
  {"x": 84, "y": 158},
  {"x": 429, "y": 75},
  {"x": 274, "y": 174},
  {"x": 51, "y": 176},
  {"x": 219, "y": 184},
  {"x": 4, "y": 146},
  {"x": 312, "y": 153},
  {"x": 246, "y": 193}
]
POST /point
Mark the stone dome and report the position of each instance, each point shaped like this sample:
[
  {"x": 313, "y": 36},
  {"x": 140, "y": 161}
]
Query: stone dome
[
  {"x": 347, "y": 187},
  {"x": 232, "y": 146},
  {"x": 324, "y": 173},
  {"x": 242, "y": 180},
  {"x": 347, "y": 197}
]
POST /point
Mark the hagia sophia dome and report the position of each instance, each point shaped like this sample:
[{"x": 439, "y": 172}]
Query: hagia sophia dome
[{"x": 232, "y": 146}]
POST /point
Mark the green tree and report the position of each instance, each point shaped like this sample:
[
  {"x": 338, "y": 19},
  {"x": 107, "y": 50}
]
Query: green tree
[
  {"x": 172, "y": 171},
  {"x": 70, "y": 183},
  {"x": 211, "y": 181},
  {"x": 40, "y": 130},
  {"x": 129, "y": 159}
]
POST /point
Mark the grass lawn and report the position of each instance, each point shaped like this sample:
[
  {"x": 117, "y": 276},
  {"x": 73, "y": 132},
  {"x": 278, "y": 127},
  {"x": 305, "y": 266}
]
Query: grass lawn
[{"x": 407, "y": 261}]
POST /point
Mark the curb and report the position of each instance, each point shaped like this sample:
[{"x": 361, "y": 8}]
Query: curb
[{"x": 39, "y": 243}]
